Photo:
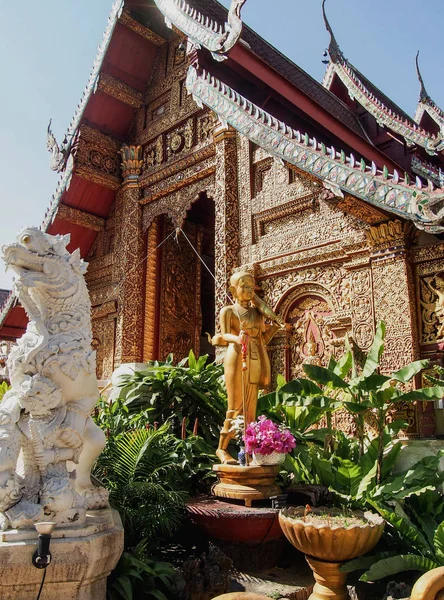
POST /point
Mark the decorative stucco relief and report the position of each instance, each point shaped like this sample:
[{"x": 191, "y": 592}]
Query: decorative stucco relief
[{"x": 176, "y": 204}]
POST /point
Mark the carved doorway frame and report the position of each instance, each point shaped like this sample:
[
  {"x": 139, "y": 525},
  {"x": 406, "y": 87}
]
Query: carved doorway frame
[
  {"x": 160, "y": 218},
  {"x": 315, "y": 329}
]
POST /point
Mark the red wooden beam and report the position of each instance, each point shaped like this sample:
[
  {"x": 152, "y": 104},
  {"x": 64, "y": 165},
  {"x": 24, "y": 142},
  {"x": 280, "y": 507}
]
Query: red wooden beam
[
  {"x": 272, "y": 78},
  {"x": 11, "y": 332}
]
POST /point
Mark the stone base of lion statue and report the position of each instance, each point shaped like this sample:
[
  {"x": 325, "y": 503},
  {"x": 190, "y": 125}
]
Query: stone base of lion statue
[{"x": 82, "y": 559}]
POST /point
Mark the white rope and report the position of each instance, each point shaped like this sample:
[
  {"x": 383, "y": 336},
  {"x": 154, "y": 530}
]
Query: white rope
[
  {"x": 236, "y": 308},
  {"x": 209, "y": 271},
  {"x": 122, "y": 281}
]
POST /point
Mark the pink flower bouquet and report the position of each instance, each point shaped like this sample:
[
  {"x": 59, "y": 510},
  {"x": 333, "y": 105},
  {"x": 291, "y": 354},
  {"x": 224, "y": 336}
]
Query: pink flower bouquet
[{"x": 265, "y": 437}]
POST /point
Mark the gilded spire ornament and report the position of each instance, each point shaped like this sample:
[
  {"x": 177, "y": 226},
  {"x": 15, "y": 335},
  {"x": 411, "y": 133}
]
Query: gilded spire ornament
[{"x": 333, "y": 49}]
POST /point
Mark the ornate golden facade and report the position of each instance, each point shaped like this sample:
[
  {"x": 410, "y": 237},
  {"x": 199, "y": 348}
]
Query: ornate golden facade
[{"x": 194, "y": 195}]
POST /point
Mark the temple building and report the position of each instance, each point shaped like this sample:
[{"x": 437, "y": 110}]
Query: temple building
[{"x": 198, "y": 149}]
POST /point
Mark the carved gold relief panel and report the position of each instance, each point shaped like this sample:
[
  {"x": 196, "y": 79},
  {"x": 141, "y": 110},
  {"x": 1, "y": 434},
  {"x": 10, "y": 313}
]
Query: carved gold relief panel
[
  {"x": 394, "y": 302},
  {"x": 177, "y": 202},
  {"x": 226, "y": 199},
  {"x": 303, "y": 223},
  {"x": 154, "y": 153},
  {"x": 315, "y": 305},
  {"x": 180, "y": 140},
  {"x": 103, "y": 343},
  {"x": 430, "y": 292},
  {"x": 431, "y": 296},
  {"x": 97, "y": 158},
  {"x": 167, "y": 101},
  {"x": 176, "y": 150},
  {"x": 275, "y": 184},
  {"x": 333, "y": 279},
  {"x": 245, "y": 195},
  {"x": 309, "y": 339},
  {"x": 362, "y": 308}
]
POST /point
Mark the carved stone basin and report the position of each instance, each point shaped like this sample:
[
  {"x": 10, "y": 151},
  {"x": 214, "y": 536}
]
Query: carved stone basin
[
  {"x": 329, "y": 543},
  {"x": 332, "y": 543}
]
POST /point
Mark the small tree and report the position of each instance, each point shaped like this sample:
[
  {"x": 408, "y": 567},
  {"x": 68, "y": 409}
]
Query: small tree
[{"x": 369, "y": 392}]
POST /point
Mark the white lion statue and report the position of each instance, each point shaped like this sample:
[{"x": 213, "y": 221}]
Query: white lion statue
[{"x": 48, "y": 440}]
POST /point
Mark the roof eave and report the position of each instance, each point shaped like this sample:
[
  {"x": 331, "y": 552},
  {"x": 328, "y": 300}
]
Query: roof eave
[{"x": 338, "y": 172}]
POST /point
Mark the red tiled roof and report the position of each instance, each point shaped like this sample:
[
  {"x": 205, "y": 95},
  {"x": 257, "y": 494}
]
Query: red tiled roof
[
  {"x": 388, "y": 103},
  {"x": 285, "y": 67}
]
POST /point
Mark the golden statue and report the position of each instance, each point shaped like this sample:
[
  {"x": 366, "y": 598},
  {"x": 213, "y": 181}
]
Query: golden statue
[
  {"x": 311, "y": 356},
  {"x": 247, "y": 367}
]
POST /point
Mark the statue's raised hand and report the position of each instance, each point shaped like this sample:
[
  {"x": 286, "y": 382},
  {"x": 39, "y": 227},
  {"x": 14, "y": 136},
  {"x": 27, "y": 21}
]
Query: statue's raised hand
[{"x": 43, "y": 458}]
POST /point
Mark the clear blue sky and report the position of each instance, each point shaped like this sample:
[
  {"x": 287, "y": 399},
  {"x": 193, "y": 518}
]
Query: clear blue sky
[{"x": 47, "y": 49}]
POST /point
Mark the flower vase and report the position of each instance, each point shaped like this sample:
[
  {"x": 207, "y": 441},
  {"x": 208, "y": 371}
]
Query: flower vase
[
  {"x": 275, "y": 458},
  {"x": 241, "y": 457}
]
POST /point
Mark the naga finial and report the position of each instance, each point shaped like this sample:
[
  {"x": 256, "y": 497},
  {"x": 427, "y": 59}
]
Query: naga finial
[
  {"x": 423, "y": 95},
  {"x": 200, "y": 29},
  {"x": 333, "y": 49},
  {"x": 58, "y": 153}
]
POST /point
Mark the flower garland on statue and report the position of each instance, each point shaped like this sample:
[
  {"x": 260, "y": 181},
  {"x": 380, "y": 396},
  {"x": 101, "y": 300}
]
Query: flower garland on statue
[{"x": 265, "y": 437}]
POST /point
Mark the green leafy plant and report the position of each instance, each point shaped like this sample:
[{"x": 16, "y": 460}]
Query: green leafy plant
[
  {"x": 194, "y": 455},
  {"x": 192, "y": 390},
  {"x": 415, "y": 526},
  {"x": 352, "y": 475},
  {"x": 298, "y": 405},
  {"x": 439, "y": 379},
  {"x": 141, "y": 470},
  {"x": 364, "y": 392},
  {"x": 360, "y": 470},
  {"x": 354, "y": 468},
  {"x": 152, "y": 462},
  {"x": 114, "y": 417},
  {"x": 137, "y": 576}
]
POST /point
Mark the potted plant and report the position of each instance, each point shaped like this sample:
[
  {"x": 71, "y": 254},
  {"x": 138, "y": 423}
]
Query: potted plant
[{"x": 268, "y": 442}]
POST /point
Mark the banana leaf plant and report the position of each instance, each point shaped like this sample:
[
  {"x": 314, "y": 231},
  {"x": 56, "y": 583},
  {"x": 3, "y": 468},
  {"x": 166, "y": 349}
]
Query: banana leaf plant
[
  {"x": 364, "y": 391},
  {"x": 300, "y": 405}
]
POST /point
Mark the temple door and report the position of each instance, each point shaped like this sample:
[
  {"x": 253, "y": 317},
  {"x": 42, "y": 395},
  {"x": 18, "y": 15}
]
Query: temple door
[{"x": 180, "y": 318}]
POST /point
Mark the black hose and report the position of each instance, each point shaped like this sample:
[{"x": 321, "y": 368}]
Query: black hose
[{"x": 41, "y": 585}]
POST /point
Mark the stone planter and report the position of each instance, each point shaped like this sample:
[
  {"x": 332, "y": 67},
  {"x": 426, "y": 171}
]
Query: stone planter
[
  {"x": 242, "y": 596},
  {"x": 275, "y": 458},
  {"x": 429, "y": 586},
  {"x": 327, "y": 547}
]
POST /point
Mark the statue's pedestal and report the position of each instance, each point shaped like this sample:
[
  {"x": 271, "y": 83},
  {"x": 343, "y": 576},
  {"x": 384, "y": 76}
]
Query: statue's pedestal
[
  {"x": 82, "y": 559},
  {"x": 246, "y": 483}
]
